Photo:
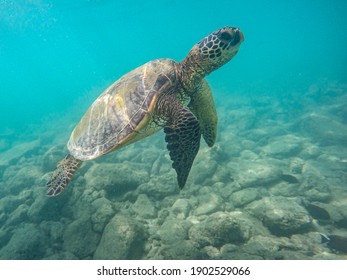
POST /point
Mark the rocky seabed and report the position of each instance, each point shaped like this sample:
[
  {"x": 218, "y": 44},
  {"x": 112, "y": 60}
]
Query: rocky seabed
[{"x": 273, "y": 187}]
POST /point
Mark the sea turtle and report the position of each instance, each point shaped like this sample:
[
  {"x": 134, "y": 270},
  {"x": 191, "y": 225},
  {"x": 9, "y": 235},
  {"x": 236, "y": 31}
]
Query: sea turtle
[{"x": 159, "y": 94}]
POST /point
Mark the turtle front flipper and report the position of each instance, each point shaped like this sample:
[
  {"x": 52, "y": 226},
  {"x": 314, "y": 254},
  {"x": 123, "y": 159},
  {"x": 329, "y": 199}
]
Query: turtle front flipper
[
  {"x": 183, "y": 141},
  {"x": 62, "y": 175},
  {"x": 203, "y": 107}
]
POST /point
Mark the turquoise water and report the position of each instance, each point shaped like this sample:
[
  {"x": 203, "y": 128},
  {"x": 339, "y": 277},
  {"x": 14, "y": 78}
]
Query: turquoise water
[
  {"x": 53, "y": 53},
  {"x": 281, "y": 103}
]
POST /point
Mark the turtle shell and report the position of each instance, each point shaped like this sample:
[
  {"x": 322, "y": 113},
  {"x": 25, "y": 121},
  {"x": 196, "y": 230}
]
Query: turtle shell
[{"x": 124, "y": 112}]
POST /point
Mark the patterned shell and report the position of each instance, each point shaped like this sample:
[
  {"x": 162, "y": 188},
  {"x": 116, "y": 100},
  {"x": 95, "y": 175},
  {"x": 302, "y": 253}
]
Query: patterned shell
[{"x": 123, "y": 113}]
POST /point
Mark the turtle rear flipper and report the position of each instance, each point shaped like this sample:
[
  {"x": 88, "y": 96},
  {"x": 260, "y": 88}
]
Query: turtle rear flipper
[
  {"x": 183, "y": 141},
  {"x": 62, "y": 175}
]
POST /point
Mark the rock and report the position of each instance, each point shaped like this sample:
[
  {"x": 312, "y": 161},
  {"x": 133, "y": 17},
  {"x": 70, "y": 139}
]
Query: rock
[
  {"x": 261, "y": 247},
  {"x": 123, "y": 239},
  {"x": 316, "y": 195},
  {"x": 17, "y": 216},
  {"x": 149, "y": 154},
  {"x": 282, "y": 216},
  {"x": 239, "y": 119},
  {"x": 182, "y": 250},
  {"x": 227, "y": 249},
  {"x": 254, "y": 173},
  {"x": 162, "y": 215},
  {"x": 173, "y": 230},
  {"x": 46, "y": 208},
  {"x": 249, "y": 155},
  {"x": 314, "y": 181},
  {"x": 18, "y": 178},
  {"x": 225, "y": 190},
  {"x": 335, "y": 157},
  {"x": 211, "y": 252},
  {"x": 284, "y": 189},
  {"x": 340, "y": 109},
  {"x": 51, "y": 158},
  {"x": 225, "y": 227},
  {"x": 309, "y": 243},
  {"x": 310, "y": 151},
  {"x": 283, "y": 146},
  {"x": 208, "y": 203},
  {"x": 5, "y": 236},
  {"x": 222, "y": 175},
  {"x": 245, "y": 196},
  {"x": 9, "y": 203},
  {"x": 103, "y": 212},
  {"x": 144, "y": 207},
  {"x": 55, "y": 231},
  {"x": 301, "y": 246},
  {"x": 206, "y": 169},
  {"x": 162, "y": 165},
  {"x": 115, "y": 179},
  {"x": 323, "y": 128},
  {"x": 3, "y": 218},
  {"x": 203, "y": 171},
  {"x": 27, "y": 243},
  {"x": 181, "y": 208},
  {"x": 160, "y": 187},
  {"x": 80, "y": 239},
  {"x": 290, "y": 255},
  {"x": 296, "y": 165},
  {"x": 15, "y": 153}
]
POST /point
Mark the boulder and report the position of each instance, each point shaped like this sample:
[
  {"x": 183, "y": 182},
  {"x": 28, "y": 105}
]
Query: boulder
[
  {"x": 282, "y": 216},
  {"x": 325, "y": 129},
  {"x": 80, "y": 239},
  {"x": 245, "y": 196},
  {"x": 208, "y": 203},
  {"x": 144, "y": 207},
  {"x": 255, "y": 173},
  {"x": 122, "y": 239},
  {"x": 102, "y": 213},
  {"x": 17, "y": 216},
  {"x": 16, "y": 152},
  {"x": 19, "y": 178},
  {"x": 159, "y": 187},
  {"x": 225, "y": 227},
  {"x": 51, "y": 158},
  {"x": 115, "y": 179},
  {"x": 284, "y": 189},
  {"x": 262, "y": 247},
  {"x": 55, "y": 231},
  {"x": 46, "y": 208},
  {"x": 283, "y": 146},
  {"x": 174, "y": 230},
  {"x": 26, "y": 243},
  {"x": 182, "y": 250},
  {"x": 181, "y": 208}
]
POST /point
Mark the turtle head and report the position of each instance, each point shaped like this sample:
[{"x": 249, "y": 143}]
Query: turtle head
[{"x": 216, "y": 49}]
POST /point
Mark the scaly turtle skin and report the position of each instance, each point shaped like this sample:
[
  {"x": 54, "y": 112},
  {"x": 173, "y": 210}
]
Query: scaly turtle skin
[{"x": 159, "y": 94}]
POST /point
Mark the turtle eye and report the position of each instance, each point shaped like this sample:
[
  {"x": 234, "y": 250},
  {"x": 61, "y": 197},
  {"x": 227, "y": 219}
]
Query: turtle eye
[{"x": 226, "y": 36}]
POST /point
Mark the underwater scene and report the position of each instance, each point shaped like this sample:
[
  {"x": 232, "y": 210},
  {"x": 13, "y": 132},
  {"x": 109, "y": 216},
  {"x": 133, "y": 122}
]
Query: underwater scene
[{"x": 272, "y": 186}]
